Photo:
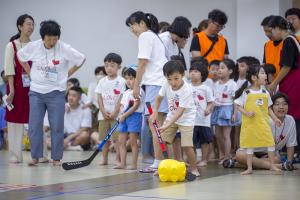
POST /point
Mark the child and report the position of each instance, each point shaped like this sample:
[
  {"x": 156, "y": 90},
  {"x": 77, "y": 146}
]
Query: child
[
  {"x": 212, "y": 69},
  {"x": 130, "y": 121},
  {"x": 203, "y": 99},
  {"x": 270, "y": 71},
  {"x": 224, "y": 114},
  {"x": 2, "y": 123},
  {"x": 254, "y": 103},
  {"x": 182, "y": 110},
  {"x": 110, "y": 90}
]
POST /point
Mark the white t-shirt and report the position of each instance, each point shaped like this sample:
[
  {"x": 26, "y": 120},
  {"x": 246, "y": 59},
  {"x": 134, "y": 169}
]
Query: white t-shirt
[
  {"x": 180, "y": 98},
  {"x": 241, "y": 101},
  {"x": 285, "y": 135},
  {"x": 111, "y": 91},
  {"x": 128, "y": 96},
  {"x": 92, "y": 96},
  {"x": 210, "y": 83},
  {"x": 152, "y": 49},
  {"x": 240, "y": 82},
  {"x": 74, "y": 119},
  {"x": 49, "y": 70},
  {"x": 170, "y": 46},
  {"x": 224, "y": 93},
  {"x": 202, "y": 95}
]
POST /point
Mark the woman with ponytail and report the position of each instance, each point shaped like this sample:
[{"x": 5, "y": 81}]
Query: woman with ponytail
[
  {"x": 149, "y": 74},
  {"x": 17, "y": 113},
  {"x": 288, "y": 77}
]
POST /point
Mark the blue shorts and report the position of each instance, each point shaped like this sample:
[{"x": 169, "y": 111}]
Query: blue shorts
[
  {"x": 151, "y": 92},
  {"x": 202, "y": 135},
  {"x": 132, "y": 124},
  {"x": 221, "y": 116}
]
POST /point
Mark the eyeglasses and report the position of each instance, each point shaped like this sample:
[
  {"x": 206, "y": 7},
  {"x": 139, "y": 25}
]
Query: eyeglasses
[{"x": 219, "y": 26}]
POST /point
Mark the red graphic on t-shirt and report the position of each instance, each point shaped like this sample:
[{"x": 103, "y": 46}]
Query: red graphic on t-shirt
[
  {"x": 200, "y": 97},
  {"x": 177, "y": 103},
  {"x": 224, "y": 95},
  {"x": 55, "y": 62},
  {"x": 116, "y": 91}
]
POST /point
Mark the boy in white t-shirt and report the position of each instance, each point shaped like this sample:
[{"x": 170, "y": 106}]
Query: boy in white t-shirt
[
  {"x": 77, "y": 122},
  {"x": 130, "y": 121},
  {"x": 110, "y": 90},
  {"x": 203, "y": 98},
  {"x": 182, "y": 110}
]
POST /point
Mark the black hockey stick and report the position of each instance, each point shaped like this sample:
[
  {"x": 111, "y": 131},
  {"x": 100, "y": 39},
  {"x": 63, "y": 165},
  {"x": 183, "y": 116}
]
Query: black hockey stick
[{"x": 83, "y": 163}]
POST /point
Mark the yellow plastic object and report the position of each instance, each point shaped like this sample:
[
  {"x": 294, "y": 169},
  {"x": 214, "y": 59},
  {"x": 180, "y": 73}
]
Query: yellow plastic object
[
  {"x": 26, "y": 143},
  {"x": 171, "y": 170}
]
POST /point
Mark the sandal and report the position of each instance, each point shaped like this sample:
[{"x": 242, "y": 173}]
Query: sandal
[{"x": 148, "y": 170}]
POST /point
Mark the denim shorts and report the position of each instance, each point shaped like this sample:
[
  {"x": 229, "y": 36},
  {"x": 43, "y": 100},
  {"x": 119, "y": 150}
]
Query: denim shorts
[
  {"x": 132, "y": 124},
  {"x": 151, "y": 92},
  {"x": 221, "y": 116}
]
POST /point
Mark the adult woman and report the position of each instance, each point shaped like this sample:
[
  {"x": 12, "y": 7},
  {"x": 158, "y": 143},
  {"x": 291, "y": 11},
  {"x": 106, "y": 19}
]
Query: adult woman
[
  {"x": 17, "y": 88},
  {"x": 151, "y": 58},
  {"x": 288, "y": 76},
  {"x": 50, "y": 60}
]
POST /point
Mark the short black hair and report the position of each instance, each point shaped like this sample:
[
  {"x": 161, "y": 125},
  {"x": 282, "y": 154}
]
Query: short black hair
[
  {"x": 129, "y": 72},
  {"x": 269, "y": 68},
  {"x": 293, "y": 11},
  {"x": 218, "y": 16},
  {"x": 199, "y": 59},
  {"x": 281, "y": 95},
  {"x": 172, "y": 67},
  {"x": 248, "y": 60},
  {"x": 279, "y": 22},
  {"x": 181, "y": 27},
  {"x": 50, "y": 28},
  {"x": 202, "y": 68},
  {"x": 113, "y": 57},
  {"x": 266, "y": 20},
  {"x": 100, "y": 69},
  {"x": 74, "y": 81},
  {"x": 214, "y": 62},
  {"x": 76, "y": 89}
]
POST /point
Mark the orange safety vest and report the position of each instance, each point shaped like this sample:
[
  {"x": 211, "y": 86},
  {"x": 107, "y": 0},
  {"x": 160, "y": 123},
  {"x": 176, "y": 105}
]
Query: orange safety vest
[
  {"x": 273, "y": 54},
  {"x": 217, "y": 52},
  {"x": 298, "y": 38}
]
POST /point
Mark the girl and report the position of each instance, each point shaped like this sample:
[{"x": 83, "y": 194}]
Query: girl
[
  {"x": 151, "y": 59},
  {"x": 130, "y": 121},
  {"x": 17, "y": 88},
  {"x": 254, "y": 104},
  {"x": 224, "y": 114}
]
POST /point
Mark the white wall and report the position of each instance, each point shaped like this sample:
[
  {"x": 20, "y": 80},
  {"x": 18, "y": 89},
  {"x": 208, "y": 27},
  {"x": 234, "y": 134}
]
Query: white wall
[{"x": 96, "y": 27}]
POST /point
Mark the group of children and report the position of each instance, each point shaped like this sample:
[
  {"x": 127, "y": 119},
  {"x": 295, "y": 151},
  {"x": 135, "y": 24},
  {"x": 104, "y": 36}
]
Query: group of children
[{"x": 202, "y": 109}]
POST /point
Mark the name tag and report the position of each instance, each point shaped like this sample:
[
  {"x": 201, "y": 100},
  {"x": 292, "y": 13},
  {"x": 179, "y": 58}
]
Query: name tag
[
  {"x": 25, "y": 80},
  {"x": 51, "y": 76}
]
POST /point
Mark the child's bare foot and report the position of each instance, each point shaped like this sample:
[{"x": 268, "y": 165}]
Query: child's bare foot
[
  {"x": 202, "y": 163},
  {"x": 248, "y": 171},
  {"x": 274, "y": 168},
  {"x": 195, "y": 172},
  {"x": 132, "y": 167},
  {"x": 118, "y": 166},
  {"x": 103, "y": 162}
]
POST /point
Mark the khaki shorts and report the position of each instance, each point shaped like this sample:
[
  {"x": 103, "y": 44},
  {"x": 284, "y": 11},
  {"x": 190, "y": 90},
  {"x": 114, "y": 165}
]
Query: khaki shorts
[
  {"x": 104, "y": 127},
  {"x": 186, "y": 135}
]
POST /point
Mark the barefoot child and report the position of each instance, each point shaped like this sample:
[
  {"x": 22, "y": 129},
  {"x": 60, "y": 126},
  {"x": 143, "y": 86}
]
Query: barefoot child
[
  {"x": 130, "y": 121},
  {"x": 182, "y": 110},
  {"x": 109, "y": 90},
  {"x": 254, "y": 102},
  {"x": 203, "y": 99}
]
